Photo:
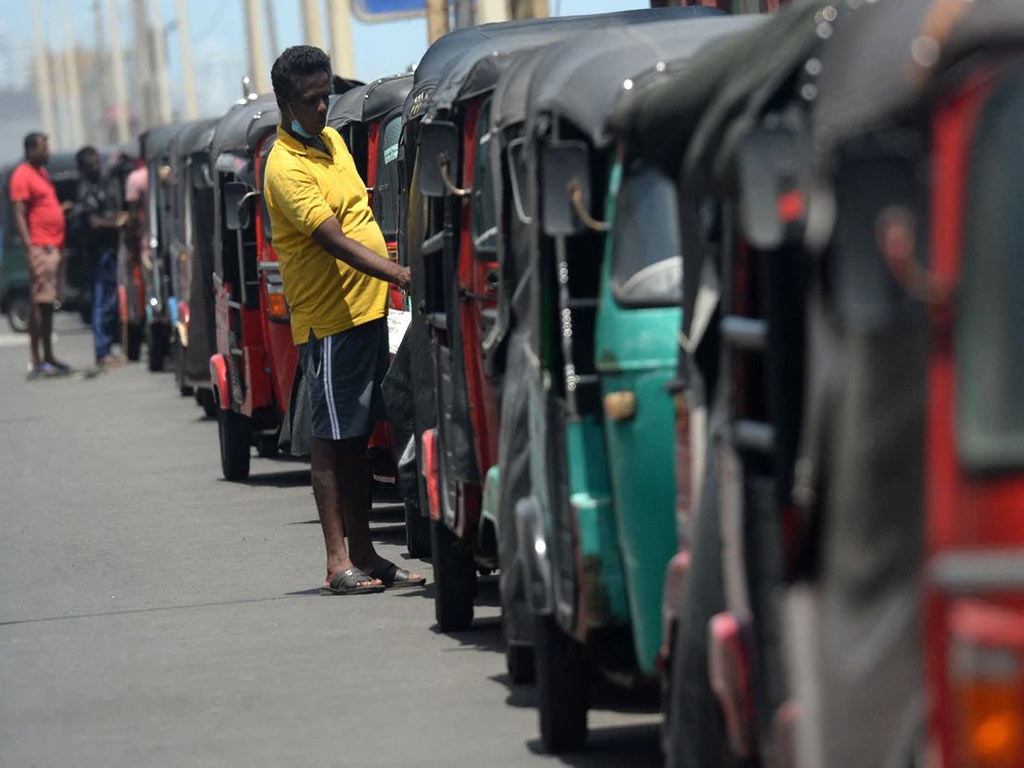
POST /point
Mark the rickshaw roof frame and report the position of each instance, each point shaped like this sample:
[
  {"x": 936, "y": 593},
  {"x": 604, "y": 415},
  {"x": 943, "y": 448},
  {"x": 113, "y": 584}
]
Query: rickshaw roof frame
[{"x": 195, "y": 136}]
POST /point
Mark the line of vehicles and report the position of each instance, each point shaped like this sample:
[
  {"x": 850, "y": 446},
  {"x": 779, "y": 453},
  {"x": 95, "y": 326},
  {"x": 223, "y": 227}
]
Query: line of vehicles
[{"x": 713, "y": 354}]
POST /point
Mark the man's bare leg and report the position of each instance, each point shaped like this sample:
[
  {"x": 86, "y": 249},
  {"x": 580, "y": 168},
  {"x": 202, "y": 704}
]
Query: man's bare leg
[
  {"x": 355, "y": 485},
  {"x": 33, "y": 334},
  {"x": 326, "y": 490},
  {"x": 46, "y": 331}
]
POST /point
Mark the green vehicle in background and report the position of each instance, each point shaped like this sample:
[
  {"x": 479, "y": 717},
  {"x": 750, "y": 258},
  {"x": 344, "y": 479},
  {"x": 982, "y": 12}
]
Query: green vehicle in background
[
  {"x": 76, "y": 292},
  {"x": 598, "y": 529}
]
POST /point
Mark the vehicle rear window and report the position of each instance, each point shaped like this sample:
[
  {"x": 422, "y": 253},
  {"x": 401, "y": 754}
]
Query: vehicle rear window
[
  {"x": 647, "y": 257},
  {"x": 484, "y": 218},
  {"x": 385, "y": 191},
  {"x": 990, "y": 310}
]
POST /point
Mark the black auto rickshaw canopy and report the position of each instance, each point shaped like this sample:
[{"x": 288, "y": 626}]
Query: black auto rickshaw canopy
[
  {"x": 156, "y": 142},
  {"x": 582, "y": 79},
  {"x": 237, "y": 132}
]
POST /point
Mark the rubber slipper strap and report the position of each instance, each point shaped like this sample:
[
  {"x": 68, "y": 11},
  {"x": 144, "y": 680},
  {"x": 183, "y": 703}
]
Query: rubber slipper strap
[
  {"x": 386, "y": 572},
  {"x": 349, "y": 579}
]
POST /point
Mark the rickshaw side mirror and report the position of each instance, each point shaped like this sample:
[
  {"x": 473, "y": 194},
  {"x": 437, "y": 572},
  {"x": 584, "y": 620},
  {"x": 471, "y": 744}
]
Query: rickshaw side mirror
[
  {"x": 772, "y": 169},
  {"x": 564, "y": 166},
  {"x": 438, "y": 154},
  {"x": 236, "y": 205}
]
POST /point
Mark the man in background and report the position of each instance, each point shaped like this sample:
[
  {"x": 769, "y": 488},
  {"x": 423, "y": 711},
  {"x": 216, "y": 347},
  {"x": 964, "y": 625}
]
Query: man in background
[
  {"x": 98, "y": 207},
  {"x": 39, "y": 221}
]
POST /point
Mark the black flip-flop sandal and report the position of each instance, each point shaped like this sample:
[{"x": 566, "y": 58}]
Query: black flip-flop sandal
[
  {"x": 394, "y": 577},
  {"x": 347, "y": 583}
]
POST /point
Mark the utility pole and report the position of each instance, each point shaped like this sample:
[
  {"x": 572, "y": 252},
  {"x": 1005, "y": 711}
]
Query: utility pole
[
  {"x": 529, "y": 9},
  {"x": 271, "y": 22},
  {"x": 339, "y": 19},
  {"x": 313, "y": 23},
  {"x": 42, "y": 74},
  {"x": 254, "y": 33},
  {"x": 117, "y": 70},
  {"x": 187, "y": 74},
  {"x": 76, "y": 134},
  {"x": 463, "y": 14},
  {"x": 163, "y": 90},
  {"x": 489, "y": 11},
  {"x": 437, "y": 19},
  {"x": 99, "y": 84}
]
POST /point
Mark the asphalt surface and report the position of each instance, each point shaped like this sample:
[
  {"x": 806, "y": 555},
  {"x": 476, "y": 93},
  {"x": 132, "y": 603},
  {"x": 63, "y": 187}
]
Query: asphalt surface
[{"x": 153, "y": 614}]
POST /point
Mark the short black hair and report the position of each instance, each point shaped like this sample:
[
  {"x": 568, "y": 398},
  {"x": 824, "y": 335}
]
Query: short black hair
[
  {"x": 86, "y": 151},
  {"x": 32, "y": 139},
  {"x": 297, "y": 61}
]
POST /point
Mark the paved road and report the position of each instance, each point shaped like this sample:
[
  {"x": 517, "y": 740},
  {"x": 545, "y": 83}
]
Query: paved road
[{"x": 152, "y": 614}]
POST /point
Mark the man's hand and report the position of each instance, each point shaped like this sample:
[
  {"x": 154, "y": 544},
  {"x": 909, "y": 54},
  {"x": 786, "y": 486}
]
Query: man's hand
[
  {"x": 405, "y": 279},
  {"x": 66, "y": 206},
  {"x": 122, "y": 219}
]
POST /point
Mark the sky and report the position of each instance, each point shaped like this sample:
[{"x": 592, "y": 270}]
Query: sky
[{"x": 218, "y": 39}]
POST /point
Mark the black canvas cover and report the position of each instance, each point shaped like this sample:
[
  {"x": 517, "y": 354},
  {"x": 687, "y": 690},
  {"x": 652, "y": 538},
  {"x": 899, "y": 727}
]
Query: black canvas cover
[
  {"x": 584, "y": 77},
  {"x": 347, "y": 108},
  {"x": 156, "y": 142},
  {"x": 660, "y": 124},
  {"x": 232, "y": 134}
]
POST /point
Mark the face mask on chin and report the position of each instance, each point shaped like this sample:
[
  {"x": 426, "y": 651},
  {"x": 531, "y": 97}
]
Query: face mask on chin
[{"x": 297, "y": 128}]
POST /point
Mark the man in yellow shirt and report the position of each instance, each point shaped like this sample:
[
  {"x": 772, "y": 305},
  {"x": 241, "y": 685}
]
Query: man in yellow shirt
[{"x": 335, "y": 268}]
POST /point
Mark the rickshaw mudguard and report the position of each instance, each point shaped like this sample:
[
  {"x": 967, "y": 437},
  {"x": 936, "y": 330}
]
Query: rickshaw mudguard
[
  {"x": 600, "y": 585},
  {"x": 219, "y": 378},
  {"x": 491, "y": 496}
]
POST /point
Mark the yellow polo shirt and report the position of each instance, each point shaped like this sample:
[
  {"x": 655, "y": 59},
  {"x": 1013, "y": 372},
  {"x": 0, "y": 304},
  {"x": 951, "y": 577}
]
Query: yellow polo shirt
[{"x": 303, "y": 188}]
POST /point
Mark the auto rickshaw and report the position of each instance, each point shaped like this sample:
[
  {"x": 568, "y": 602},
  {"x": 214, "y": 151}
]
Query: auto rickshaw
[
  {"x": 76, "y": 281},
  {"x": 160, "y": 300},
  {"x": 458, "y": 296},
  {"x": 247, "y": 413},
  {"x": 598, "y": 528},
  {"x": 190, "y": 249},
  {"x": 914, "y": 318}
]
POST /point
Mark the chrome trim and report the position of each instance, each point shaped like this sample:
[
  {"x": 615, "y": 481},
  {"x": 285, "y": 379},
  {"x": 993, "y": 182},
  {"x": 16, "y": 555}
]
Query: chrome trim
[{"x": 979, "y": 571}]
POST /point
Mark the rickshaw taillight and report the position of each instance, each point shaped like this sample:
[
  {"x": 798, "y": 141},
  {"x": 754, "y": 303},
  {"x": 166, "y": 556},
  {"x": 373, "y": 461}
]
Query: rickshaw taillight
[
  {"x": 986, "y": 672},
  {"x": 277, "y": 307}
]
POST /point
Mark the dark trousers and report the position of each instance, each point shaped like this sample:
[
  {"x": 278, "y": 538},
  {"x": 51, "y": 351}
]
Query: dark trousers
[{"x": 104, "y": 303}]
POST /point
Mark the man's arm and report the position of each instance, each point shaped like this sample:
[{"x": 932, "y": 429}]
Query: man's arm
[
  {"x": 118, "y": 220},
  {"x": 21, "y": 222},
  {"x": 332, "y": 239}
]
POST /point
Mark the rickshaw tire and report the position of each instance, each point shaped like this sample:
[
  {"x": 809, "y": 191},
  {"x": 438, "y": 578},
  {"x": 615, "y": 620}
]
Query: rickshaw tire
[
  {"x": 266, "y": 446},
  {"x": 521, "y": 663},
  {"x": 563, "y": 687},
  {"x": 204, "y": 398},
  {"x": 133, "y": 340},
  {"x": 17, "y": 313},
  {"x": 235, "y": 436},
  {"x": 417, "y": 533},
  {"x": 454, "y": 580},
  {"x": 157, "y": 343}
]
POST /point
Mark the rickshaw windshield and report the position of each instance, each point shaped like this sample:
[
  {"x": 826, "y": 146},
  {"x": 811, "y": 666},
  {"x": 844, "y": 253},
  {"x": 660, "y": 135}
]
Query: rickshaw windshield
[
  {"x": 484, "y": 220},
  {"x": 647, "y": 261},
  {"x": 990, "y": 311},
  {"x": 385, "y": 191}
]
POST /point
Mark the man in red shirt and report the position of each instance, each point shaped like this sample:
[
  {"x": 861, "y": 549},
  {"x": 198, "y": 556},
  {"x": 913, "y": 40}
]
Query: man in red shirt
[{"x": 39, "y": 219}]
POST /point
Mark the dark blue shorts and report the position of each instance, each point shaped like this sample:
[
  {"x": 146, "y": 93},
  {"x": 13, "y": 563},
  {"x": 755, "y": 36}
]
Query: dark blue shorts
[{"x": 344, "y": 372}]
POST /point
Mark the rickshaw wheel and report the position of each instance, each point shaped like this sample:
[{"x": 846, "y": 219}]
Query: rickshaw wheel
[
  {"x": 133, "y": 341},
  {"x": 520, "y": 663},
  {"x": 17, "y": 314},
  {"x": 234, "y": 432},
  {"x": 266, "y": 446},
  {"x": 454, "y": 580},
  {"x": 184, "y": 389},
  {"x": 204, "y": 398},
  {"x": 157, "y": 342},
  {"x": 417, "y": 533},
  {"x": 563, "y": 687}
]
